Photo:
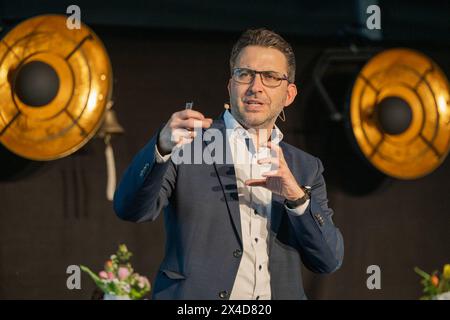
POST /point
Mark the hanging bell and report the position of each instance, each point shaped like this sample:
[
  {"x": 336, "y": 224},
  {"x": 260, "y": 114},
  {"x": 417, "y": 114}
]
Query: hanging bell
[
  {"x": 110, "y": 125},
  {"x": 109, "y": 128}
]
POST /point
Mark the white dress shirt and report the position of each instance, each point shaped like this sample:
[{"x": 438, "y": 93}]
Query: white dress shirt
[{"x": 255, "y": 203}]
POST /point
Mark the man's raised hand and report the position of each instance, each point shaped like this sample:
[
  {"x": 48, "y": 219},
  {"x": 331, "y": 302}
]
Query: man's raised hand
[{"x": 180, "y": 129}]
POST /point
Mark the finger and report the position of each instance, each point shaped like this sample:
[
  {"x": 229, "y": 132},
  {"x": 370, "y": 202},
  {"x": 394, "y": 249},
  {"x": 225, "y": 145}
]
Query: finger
[
  {"x": 272, "y": 160},
  {"x": 273, "y": 173},
  {"x": 178, "y": 134},
  {"x": 256, "y": 182},
  {"x": 275, "y": 148},
  {"x": 189, "y": 113},
  {"x": 192, "y": 123}
]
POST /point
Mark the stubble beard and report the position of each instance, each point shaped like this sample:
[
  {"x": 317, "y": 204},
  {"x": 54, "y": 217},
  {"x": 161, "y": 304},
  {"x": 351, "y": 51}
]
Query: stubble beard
[{"x": 254, "y": 123}]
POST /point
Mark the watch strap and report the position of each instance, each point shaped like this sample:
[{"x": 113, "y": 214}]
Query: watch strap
[{"x": 292, "y": 204}]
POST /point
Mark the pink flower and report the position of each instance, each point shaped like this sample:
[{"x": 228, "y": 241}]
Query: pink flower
[
  {"x": 103, "y": 275},
  {"x": 123, "y": 273},
  {"x": 111, "y": 275},
  {"x": 143, "y": 281}
]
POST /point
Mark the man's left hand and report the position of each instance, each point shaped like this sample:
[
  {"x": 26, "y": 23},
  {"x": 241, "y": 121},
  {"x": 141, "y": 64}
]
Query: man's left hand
[{"x": 280, "y": 181}]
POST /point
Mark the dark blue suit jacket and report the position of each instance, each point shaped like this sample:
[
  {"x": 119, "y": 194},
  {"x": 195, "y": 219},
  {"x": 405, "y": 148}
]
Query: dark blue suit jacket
[{"x": 203, "y": 229}]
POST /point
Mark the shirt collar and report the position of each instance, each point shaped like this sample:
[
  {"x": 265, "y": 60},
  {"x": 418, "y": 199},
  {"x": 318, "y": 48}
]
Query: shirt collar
[{"x": 232, "y": 124}]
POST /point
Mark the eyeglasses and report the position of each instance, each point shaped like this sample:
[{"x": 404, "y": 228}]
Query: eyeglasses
[{"x": 270, "y": 79}]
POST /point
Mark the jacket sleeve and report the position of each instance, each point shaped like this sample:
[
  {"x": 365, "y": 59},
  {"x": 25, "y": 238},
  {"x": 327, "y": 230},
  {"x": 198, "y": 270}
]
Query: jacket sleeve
[
  {"x": 321, "y": 243},
  {"x": 145, "y": 187}
]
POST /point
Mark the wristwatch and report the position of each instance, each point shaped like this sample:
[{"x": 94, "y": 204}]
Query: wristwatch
[{"x": 292, "y": 204}]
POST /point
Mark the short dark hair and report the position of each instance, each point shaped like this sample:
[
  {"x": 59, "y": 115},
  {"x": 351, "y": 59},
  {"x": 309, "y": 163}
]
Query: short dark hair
[{"x": 265, "y": 38}]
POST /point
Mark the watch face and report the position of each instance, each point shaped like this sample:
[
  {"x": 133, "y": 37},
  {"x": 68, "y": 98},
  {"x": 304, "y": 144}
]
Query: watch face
[{"x": 306, "y": 190}]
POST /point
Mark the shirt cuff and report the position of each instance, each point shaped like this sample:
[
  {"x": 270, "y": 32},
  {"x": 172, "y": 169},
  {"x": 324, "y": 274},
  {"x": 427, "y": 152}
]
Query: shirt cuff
[
  {"x": 159, "y": 157},
  {"x": 299, "y": 210}
]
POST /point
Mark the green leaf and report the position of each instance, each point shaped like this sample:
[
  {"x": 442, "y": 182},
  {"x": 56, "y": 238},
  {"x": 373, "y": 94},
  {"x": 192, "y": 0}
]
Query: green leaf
[
  {"x": 95, "y": 278},
  {"x": 422, "y": 273}
]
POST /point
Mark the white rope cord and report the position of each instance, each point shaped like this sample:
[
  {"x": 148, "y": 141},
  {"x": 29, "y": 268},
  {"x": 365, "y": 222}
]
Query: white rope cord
[{"x": 111, "y": 171}]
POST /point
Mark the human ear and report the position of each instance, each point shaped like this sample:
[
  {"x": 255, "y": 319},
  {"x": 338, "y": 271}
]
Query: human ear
[{"x": 291, "y": 94}]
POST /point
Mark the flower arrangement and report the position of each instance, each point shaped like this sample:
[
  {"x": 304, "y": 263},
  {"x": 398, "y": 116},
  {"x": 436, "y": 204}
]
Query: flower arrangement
[
  {"x": 118, "y": 279},
  {"x": 435, "y": 285}
]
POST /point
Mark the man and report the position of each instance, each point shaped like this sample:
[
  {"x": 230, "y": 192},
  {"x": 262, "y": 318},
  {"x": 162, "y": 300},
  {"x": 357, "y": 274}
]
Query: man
[{"x": 236, "y": 229}]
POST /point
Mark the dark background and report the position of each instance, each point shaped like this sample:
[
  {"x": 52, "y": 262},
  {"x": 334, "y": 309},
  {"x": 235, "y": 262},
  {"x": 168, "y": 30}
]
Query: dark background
[{"x": 165, "y": 53}]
